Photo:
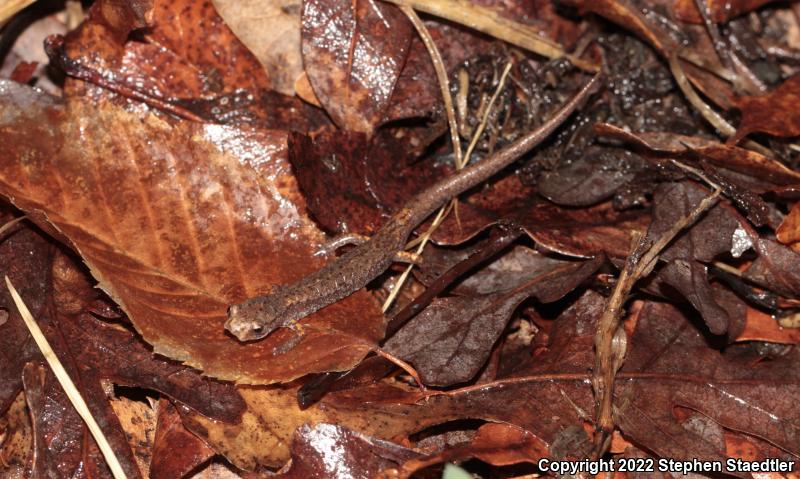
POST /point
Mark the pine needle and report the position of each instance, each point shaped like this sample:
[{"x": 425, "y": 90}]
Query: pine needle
[{"x": 69, "y": 387}]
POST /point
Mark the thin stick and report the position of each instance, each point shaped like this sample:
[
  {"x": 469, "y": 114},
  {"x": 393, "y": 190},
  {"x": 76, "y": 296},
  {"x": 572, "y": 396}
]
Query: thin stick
[
  {"x": 444, "y": 83},
  {"x": 689, "y": 92},
  {"x": 6, "y": 227},
  {"x": 489, "y": 22},
  {"x": 442, "y": 211},
  {"x": 402, "y": 365},
  {"x": 608, "y": 355},
  {"x": 423, "y": 242},
  {"x": 486, "y": 113},
  {"x": 69, "y": 387},
  {"x": 9, "y": 8}
]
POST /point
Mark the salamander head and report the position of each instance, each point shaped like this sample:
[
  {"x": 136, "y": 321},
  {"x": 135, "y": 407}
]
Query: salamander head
[{"x": 253, "y": 319}]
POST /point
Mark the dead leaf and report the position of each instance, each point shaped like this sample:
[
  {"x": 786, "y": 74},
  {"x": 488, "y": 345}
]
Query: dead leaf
[
  {"x": 450, "y": 340},
  {"x": 353, "y": 54},
  {"x": 772, "y": 113},
  {"x": 271, "y": 30},
  {"x": 175, "y": 240},
  {"x": 176, "y": 451},
  {"x": 330, "y": 451},
  {"x": 789, "y": 230}
]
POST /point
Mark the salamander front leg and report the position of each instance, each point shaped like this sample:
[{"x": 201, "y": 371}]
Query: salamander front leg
[
  {"x": 407, "y": 257},
  {"x": 341, "y": 240}
]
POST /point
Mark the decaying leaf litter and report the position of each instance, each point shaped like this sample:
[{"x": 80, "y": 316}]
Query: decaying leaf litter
[{"x": 628, "y": 288}]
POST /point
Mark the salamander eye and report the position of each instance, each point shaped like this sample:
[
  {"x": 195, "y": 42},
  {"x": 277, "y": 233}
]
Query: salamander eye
[{"x": 257, "y": 330}]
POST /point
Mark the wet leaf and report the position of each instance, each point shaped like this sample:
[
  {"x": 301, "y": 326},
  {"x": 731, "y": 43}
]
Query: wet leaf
[
  {"x": 271, "y": 30},
  {"x": 789, "y": 230},
  {"x": 176, "y": 451},
  {"x": 353, "y": 54},
  {"x": 584, "y": 232},
  {"x": 711, "y": 236},
  {"x": 774, "y": 268},
  {"x": 450, "y": 340},
  {"x": 747, "y": 162},
  {"x": 329, "y": 451},
  {"x": 188, "y": 53},
  {"x": 203, "y": 235},
  {"x": 352, "y": 184},
  {"x": 772, "y": 113}
]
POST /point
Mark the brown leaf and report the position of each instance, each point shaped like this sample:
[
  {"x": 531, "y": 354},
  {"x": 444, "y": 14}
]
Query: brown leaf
[
  {"x": 582, "y": 233},
  {"x": 175, "y": 240},
  {"x": 138, "y": 422},
  {"x": 328, "y": 450},
  {"x": 176, "y": 451},
  {"x": 747, "y": 162},
  {"x": 670, "y": 364},
  {"x": 265, "y": 433},
  {"x": 450, "y": 340},
  {"x": 353, "y": 184},
  {"x": 773, "y": 113},
  {"x": 353, "y": 54},
  {"x": 774, "y": 268},
  {"x": 59, "y": 432},
  {"x": 712, "y": 235},
  {"x": 686, "y": 372},
  {"x": 26, "y": 258},
  {"x": 496, "y": 444},
  {"x": 187, "y": 52},
  {"x": 271, "y": 30},
  {"x": 760, "y": 326},
  {"x": 789, "y": 230}
]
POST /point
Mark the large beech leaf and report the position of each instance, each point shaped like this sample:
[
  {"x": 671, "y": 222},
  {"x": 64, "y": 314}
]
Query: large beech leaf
[
  {"x": 177, "y": 223},
  {"x": 353, "y": 53}
]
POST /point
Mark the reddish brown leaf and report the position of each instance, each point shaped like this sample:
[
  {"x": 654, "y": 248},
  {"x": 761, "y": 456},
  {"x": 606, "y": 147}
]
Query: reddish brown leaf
[
  {"x": 188, "y": 52},
  {"x": 763, "y": 327},
  {"x": 328, "y": 450},
  {"x": 775, "y": 268},
  {"x": 496, "y": 444},
  {"x": 714, "y": 234},
  {"x": 353, "y": 184},
  {"x": 176, "y": 451},
  {"x": 175, "y": 240},
  {"x": 789, "y": 230},
  {"x": 582, "y": 233},
  {"x": 59, "y": 432},
  {"x": 353, "y": 54},
  {"x": 25, "y": 257},
  {"x": 271, "y": 30},
  {"x": 773, "y": 113}
]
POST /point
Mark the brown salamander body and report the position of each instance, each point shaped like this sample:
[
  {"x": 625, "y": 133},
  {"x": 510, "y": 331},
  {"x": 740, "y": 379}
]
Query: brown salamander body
[{"x": 284, "y": 306}]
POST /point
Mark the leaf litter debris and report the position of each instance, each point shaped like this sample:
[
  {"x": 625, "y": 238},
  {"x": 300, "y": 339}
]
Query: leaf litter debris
[{"x": 624, "y": 287}]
